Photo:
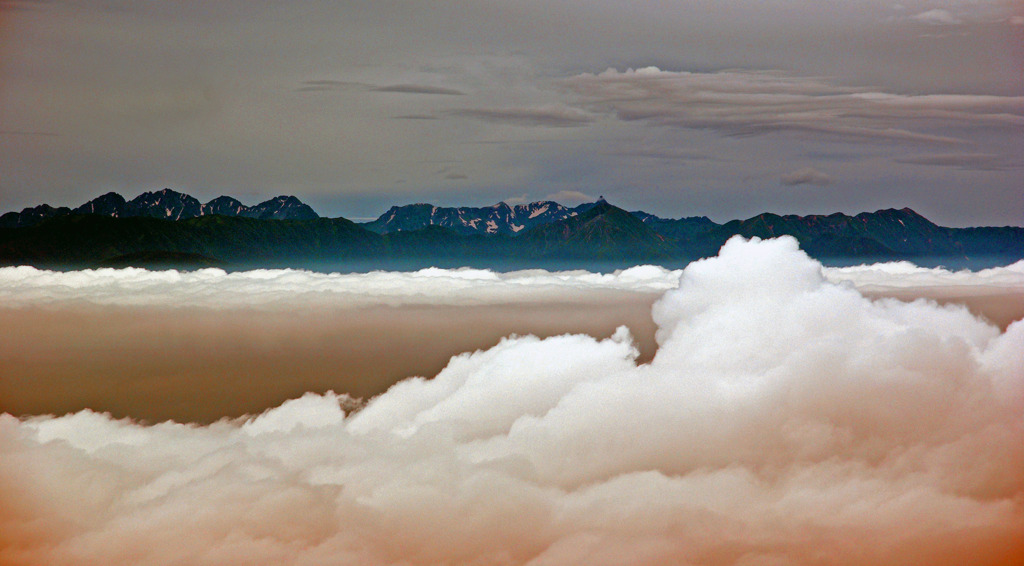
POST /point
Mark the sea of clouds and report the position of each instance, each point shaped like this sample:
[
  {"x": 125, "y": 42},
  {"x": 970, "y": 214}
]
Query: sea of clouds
[
  {"x": 289, "y": 288},
  {"x": 785, "y": 419}
]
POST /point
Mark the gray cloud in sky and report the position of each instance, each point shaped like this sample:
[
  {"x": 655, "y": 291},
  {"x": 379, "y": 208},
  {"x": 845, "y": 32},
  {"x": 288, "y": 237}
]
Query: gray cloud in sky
[
  {"x": 660, "y": 152},
  {"x": 806, "y": 176},
  {"x": 323, "y": 85},
  {"x": 420, "y": 89},
  {"x": 452, "y": 173},
  {"x": 416, "y": 117},
  {"x": 967, "y": 161},
  {"x": 937, "y": 16},
  {"x": 750, "y": 103},
  {"x": 570, "y": 197},
  {"x": 552, "y": 116}
]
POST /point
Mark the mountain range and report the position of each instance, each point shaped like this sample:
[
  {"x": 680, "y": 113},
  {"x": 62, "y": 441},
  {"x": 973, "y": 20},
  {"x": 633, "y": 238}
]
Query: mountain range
[
  {"x": 171, "y": 229},
  {"x": 500, "y": 218},
  {"x": 166, "y": 204}
]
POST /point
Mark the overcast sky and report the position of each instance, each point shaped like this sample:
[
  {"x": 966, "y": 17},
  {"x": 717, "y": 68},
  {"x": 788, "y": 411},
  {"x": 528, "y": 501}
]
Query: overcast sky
[{"x": 720, "y": 108}]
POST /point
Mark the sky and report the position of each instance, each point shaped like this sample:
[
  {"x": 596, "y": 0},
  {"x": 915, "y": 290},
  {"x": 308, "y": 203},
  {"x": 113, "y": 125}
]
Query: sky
[{"x": 680, "y": 108}]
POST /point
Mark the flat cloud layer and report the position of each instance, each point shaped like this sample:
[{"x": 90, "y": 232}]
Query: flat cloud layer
[
  {"x": 286, "y": 288},
  {"x": 273, "y": 289},
  {"x": 785, "y": 419}
]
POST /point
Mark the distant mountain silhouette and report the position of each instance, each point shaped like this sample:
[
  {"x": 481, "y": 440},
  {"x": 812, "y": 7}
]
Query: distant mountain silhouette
[
  {"x": 160, "y": 260},
  {"x": 84, "y": 240},
  {"x": 110, "y": 204},
  {"x": 32, "y": 216},
  {"x": 889, "y": 232},
  {"x": 225, "y": 206},
  {"x": 171, "y": 228},
  {"x": 500, "y": 218},
  {"x": 166, "y": 204},
  {"x": 603, "y": 231},
  {"x": 280, "y": 208},
  {"x": 678, "y": 229}
]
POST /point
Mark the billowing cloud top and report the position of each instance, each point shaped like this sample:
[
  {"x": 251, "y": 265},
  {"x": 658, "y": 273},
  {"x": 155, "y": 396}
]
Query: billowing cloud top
[{"x": 785, "y": 420}]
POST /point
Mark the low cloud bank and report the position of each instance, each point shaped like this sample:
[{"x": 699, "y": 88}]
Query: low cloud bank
[
  {"x": 785, "y": 419},
  {"x": 287, "y": 288},
  {"x": 996, "y": 294},
  {"x": 905, "y": 275},
  {"x": 26, "y": 286}
]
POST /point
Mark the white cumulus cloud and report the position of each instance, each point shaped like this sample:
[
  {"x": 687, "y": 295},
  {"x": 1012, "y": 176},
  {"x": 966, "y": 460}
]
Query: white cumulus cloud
[{"x": 785, "y": 419}]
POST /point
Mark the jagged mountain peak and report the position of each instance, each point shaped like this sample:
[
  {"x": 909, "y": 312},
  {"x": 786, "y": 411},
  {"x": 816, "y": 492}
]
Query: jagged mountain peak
[
  {"x": 168, "y": 204},
  {"x": 602, "y": 230},
  {"x": 903, "y": 216},
  {"x": 498, "y": 218},
  {"x": 164, "y": 194},
  {"x": 224, "y": 206},
  {"x": 107, "y": 204},
  {"x": 284, "y": 207},
  {"x": 31, "y": 216},
  {"x": 604, "y": 206}
]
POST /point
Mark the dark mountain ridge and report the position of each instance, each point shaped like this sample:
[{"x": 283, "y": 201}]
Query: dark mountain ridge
[
  {"x": 167, "y": 224},
  {"x": 81, "y": 240},
  {"x": 165, "y": 204},
  {"x": 499, "y": 218},
  {"x": 602, "y": 231},
  {"x": 884, "y": 233}
]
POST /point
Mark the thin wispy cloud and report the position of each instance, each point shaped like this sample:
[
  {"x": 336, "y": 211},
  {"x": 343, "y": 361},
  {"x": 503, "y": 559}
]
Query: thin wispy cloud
[
  {"x": 967, "y": 161},
  {"x": 664, "y": 152},
  {"x": 570, "y": 197},
  {"x": 419, "y": 89},
  {"x": 415, "y": 117},
  {"x": 747, "y": 103},
  {"x": 550, "y": 116},
  {"x": 452, "y": 173},
  {"x": 937, "y": 16},
  {"x": 326, "y": 85},
  {"x": 806, "y": 176}
]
